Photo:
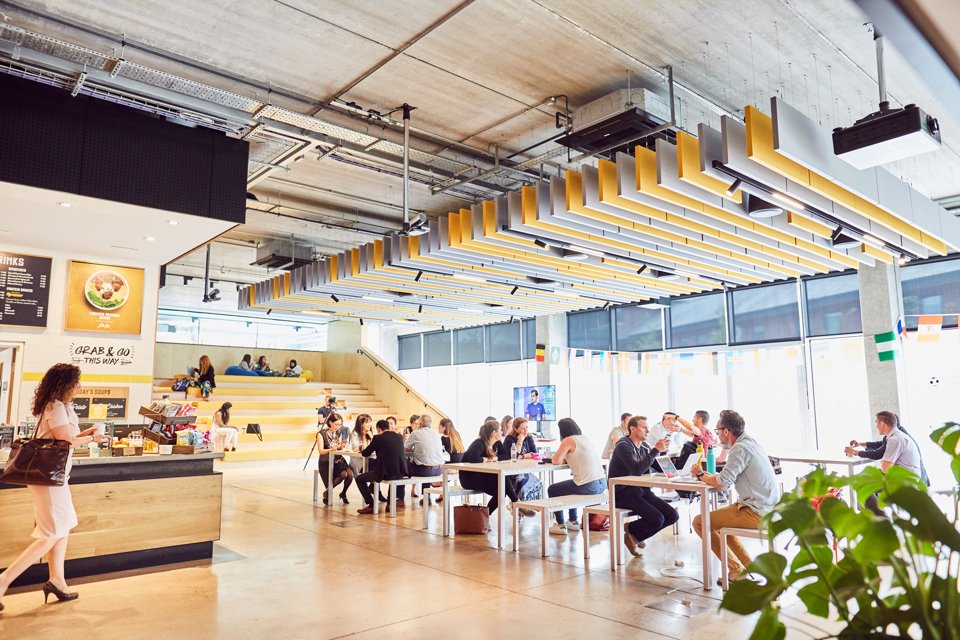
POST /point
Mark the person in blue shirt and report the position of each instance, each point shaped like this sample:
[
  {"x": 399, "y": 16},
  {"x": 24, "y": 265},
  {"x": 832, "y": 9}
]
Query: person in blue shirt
[{"x": 535, "y": 410}]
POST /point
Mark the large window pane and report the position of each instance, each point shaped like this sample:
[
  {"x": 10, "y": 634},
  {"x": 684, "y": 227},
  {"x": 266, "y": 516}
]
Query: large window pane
[
  {"x": 227, "y": 333},
  {"x": 529, "y": 339},
  {"x": 436, "y": 349},
  {"x": 698, "y": 321},
  {"x": 638, "y": 329},
  {"x": 931, "y": 288},
  {"x": 410, "y": 352},
  {"x": 589, "y": 330},
  {"x": 178, "y": 329},
  {"x": 468, "y": 345},
  {"x": 765, "y": 314},
  {"x": 503, "y": 342},
  {"x": 833, "y": 305},
  {"x": 840, "y": 392}
]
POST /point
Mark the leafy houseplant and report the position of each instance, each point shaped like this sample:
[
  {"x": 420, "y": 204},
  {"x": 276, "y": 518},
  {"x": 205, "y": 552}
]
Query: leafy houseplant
[{"x": 919, "y": 597}]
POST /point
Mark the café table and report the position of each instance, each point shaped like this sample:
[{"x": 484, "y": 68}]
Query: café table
[
  {"x": 825, "y": 459},
  {"x": 502, "y": 469},
  {"x": 330, "y": 462}
]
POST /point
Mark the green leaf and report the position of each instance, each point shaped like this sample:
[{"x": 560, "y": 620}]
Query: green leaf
[
  {"x": 947, "y": 438},
  {"x": 820, "y": 556},
  {"x": 770, "y": 565},
  {"x": 817, "y": 598},
  {"x": 769, "y": 626},
  {"x": 931, "y": 524},
  {"x": 745, "y": 596},
  {"x": 877, "y": 543},
  {"x": 844, "y": 521},
  {"x": 898, "y": 477}
]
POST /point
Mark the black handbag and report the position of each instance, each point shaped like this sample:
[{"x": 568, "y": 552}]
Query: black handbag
[
  {"x": 37, "y": 461},
  {"x": 255, "y": 429}
]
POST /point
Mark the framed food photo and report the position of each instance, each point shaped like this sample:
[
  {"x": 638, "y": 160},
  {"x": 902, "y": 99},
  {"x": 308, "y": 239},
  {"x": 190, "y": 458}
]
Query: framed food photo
[{"x": 104, "y": 298}]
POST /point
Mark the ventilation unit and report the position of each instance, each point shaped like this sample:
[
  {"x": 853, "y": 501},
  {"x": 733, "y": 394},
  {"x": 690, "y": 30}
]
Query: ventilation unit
[
  {"x": 283, "y": 255},
  {"x": 622, "y": 116}
]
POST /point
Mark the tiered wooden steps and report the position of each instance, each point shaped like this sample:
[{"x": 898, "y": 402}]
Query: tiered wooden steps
[{"x": 285, "y": 409}]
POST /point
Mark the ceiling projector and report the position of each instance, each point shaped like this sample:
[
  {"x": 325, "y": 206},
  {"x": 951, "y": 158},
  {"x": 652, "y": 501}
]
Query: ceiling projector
[{"x": 886, "y": 136}]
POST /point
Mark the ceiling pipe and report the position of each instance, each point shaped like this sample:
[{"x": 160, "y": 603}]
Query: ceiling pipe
[
  {"x": 881, "y": 76},
  {"x": 406, "y": 164}
]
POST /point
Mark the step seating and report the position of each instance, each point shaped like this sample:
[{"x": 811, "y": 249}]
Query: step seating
[
  {"x": 616, "y": 532},
  {"x": 756, "y": 534},
  {"x": 547, "y": 507},
  {"x": 453, "y": 491}
]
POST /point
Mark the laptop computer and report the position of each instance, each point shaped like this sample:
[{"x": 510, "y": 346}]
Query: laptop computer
[{"x": 670, "y": 470}]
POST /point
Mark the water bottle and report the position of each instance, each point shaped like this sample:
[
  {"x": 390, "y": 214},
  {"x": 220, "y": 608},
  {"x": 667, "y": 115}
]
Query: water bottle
[
  {"x": 513, "y": 452},
  {"x": 711, "y": 461},
  {"x": 700, "y": 453}
]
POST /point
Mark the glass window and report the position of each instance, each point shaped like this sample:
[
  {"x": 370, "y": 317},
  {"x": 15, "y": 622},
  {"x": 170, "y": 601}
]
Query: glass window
[
  {"x": 410, "y": 357},
  {"x": 638, "y": 329},
  {"x": 589, "y": 330},
  {"x": 697, "y": 321},
  {"x": 931, "y": 288},
  {"x": 468, "y": 345},
  {"x": 436, "y": 349},
  {"x": 765, "y": 314},
  {"x": 227, "y": 333},
  {"x": 833, "y": 305},
  {"x": 503, "y": 342},
  {"x": 529, "y": 339},
  {"x": 178, "y": 329}
]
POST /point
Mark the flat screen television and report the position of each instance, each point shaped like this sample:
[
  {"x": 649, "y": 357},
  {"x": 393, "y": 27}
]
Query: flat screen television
[{"x": 536, "y": 404}]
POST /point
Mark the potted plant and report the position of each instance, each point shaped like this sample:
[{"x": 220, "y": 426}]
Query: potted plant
[{"x": 837, "y": 570}]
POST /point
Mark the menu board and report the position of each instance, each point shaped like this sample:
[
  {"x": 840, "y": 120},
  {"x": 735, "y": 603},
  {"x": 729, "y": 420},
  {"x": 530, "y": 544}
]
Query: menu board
[
  {"x": 24, "y": 290},
  {"x": 104, "y": 298},
  {"x": 101, "y": 403}
]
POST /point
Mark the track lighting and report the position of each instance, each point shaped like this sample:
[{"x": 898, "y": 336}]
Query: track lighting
[
  {"x": 760, "y": 208},
  {"x": 361, "y": 322},
  {"x": 420, "y": 309},
  {"x": 903, "y": 259},
  {"x": 732, "y": 189},
  {"x": 540, "y": 243},
  {"x": 514, "y": 290},
  {"x": 419, "y": 275},
  {"x": 642, "y": 268},
  {"x": 334, "y": 298},
  {"x": 269, "y": 311},
  {"x": 606, "y": 305},
  {"x": 842, "y": 239}
]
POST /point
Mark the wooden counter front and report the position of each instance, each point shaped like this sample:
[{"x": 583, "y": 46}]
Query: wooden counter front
[{"x": 125, "y": 523}]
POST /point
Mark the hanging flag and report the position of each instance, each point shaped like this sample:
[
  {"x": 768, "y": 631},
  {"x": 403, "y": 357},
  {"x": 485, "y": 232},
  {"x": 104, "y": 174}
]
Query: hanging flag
[
  {"x": 564, "y": 357},
  {"x": 555, "y": 355},
  {"x": 541, "y": 352},
  {"x": 901, "y": 329},
  {"x": 587, "y": 359},
  {"x": 928, "y": 328},
  {"x": 623, "y": 365},
  {"x": 886, "y": 345},
  {"x": 602, "y": 361}
]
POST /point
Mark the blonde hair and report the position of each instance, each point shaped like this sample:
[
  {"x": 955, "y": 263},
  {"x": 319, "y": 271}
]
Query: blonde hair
[
  {"x": 456, "y": 442},
  {"x": 204, "y": 364}
]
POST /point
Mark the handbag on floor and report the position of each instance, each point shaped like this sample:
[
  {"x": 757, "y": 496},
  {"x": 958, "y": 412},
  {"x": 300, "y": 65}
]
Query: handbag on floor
[
  {"x": 599, "y": 522},
  {"x": 37, "y": 461},
  {"x": 471, "y": 519},
  {"x": 255, "y": 429}
]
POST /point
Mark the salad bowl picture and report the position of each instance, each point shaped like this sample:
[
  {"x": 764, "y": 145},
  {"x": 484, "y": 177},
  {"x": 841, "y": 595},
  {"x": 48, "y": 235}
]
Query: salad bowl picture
[{"x": 106, "y": 290}]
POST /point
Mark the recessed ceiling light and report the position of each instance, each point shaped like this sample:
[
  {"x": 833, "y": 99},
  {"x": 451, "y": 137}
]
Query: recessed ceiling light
[
  {"x": 65, "y": 204},
  {"x": 173, "y": 223},
  {"x": 149, "y": 238}
]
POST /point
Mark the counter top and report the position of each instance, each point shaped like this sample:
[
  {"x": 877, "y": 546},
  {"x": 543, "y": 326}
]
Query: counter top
[{"x": 85, "y": 461}]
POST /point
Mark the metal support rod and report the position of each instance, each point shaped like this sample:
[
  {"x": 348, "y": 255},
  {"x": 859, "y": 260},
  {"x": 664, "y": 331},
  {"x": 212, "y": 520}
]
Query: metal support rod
[
  {"x": 881, "y": 77},
  {"x": 406, "y": 163},
  {"x": 206, "y": 276}
]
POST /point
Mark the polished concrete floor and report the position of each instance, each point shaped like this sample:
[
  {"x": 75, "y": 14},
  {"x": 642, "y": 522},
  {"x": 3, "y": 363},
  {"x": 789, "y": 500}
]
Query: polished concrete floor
[{"x": 286, "y": 568}]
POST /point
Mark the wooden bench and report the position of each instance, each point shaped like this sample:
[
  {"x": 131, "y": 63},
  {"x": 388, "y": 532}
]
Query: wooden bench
[
  {"x": 452, "y": 492},
  {"x": 756, "y": 534},
  {"x": 547, "y": 507},
  {"x": 616, "y": 531},
  {"x": 393, "y": 484}
]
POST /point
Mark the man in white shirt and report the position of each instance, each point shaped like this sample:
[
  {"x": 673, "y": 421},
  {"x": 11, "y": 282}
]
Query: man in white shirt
[
  {"x": 668, "y": 428},
  {"x": 426, "y": 448},
  {"x": 901, "y": 451},
  {"x": 615, "y": 435}
]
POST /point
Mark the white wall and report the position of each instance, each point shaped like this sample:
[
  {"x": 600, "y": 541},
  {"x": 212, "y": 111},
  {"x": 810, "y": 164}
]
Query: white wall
[
  {"x": 43, "y": 347},
  {"x": 6, "y": 380}
]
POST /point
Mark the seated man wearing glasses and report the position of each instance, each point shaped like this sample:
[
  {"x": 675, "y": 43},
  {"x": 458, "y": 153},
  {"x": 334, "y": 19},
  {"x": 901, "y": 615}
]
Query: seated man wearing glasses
[{"x": 748, "y": 470}]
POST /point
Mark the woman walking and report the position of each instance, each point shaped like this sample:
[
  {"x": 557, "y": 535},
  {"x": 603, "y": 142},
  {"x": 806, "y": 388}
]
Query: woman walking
[{"x": 53, "y": 506}]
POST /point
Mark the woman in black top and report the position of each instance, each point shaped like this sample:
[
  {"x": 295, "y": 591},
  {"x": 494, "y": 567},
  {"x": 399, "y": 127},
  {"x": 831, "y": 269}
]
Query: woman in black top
[
  {"x": 330, "y": 441},
  {"x": 452, "y": 443},
  {"x": 485, "y": 449},
  {"x": 520, "y": 436},
  {"x": 203, "y": 375}
]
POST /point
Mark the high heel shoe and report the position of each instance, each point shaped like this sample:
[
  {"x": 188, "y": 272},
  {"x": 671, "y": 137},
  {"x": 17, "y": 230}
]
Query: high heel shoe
[
  {"x": 343, "y": 497},
  {"x": 49, "y": 588}
]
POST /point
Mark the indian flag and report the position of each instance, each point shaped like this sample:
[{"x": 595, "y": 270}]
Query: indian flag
[
  {"x": 928, "y": 328},
  {"x": 886, "y": 345}
]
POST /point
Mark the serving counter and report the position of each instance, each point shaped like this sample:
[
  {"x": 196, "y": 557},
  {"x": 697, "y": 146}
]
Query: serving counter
[{"x": 133, "y": 512}]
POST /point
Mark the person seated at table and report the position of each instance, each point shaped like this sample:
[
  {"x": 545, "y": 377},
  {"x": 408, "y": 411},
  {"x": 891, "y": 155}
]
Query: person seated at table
[
  {"x": 506, "y": 424},
  {"x": 616, "y": 435},
  {"x": 520, "y": 436},
  {"x": 577, "y": 452},
  {"x": 426, "y": 449},
  {"x": 450, "y": 438},
  {"x": 329, "y": 442},
  {"x": 294, "y": 370},
  {"x": 358, "y": 440},
  {"x": 668, "y": 428},
  {"x": 699, "y": 433},
  {"x": 391, "y": 464},
  {"x": 392, "y": 421},
  {"x": 748, "y": 469},
  {"x": 485, "y": 449},
  {"x": 633, "y": 457},
  {"x": 222, "y": 427},
  {"x": 877, "y": 449},
  {"x": 203, "y": 376},
  {"x": 901, "y": 451}
]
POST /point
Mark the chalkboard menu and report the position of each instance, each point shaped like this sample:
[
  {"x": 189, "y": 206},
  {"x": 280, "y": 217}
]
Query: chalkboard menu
[{"x": 24, "y": 290}]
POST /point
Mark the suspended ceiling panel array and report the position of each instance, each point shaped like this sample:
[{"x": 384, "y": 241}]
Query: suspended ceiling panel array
[{"x": 661, "y": 223}]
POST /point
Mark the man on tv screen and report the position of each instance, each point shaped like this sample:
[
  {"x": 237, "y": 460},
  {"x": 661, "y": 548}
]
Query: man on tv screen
[{"x": 535, "y": 410}]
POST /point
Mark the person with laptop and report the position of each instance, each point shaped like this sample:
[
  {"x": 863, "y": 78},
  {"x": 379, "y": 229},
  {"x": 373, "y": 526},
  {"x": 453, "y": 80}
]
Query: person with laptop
[
  {"x": 632, "y": 457},
  {"x": 748, "y": 469},
  {"x": 616, "y": 434}
]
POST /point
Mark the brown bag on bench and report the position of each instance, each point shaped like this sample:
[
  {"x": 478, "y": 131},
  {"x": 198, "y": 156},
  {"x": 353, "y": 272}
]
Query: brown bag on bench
[{"x": 471, "y": 519}]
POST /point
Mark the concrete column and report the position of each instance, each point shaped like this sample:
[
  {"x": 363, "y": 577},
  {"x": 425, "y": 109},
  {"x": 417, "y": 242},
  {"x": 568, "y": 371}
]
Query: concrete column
[
  {"x": 881, "y": 305},
  {"x": 551, "y": 331}
]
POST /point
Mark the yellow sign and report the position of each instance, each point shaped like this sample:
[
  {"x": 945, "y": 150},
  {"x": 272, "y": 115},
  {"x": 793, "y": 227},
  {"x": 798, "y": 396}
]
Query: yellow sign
[{"x": 104, "y": 298}]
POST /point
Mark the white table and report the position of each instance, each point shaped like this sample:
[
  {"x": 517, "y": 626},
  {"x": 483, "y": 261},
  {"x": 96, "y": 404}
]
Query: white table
[
  {"x": 654, "y": 482},
  {"x": 330, "y": 462},
  {"x": 501, "y": 469},
  {"x": 824, "y": 459}
]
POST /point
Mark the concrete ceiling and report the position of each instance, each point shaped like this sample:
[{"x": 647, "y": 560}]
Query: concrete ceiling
[{"x": 468, "y": 66}]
